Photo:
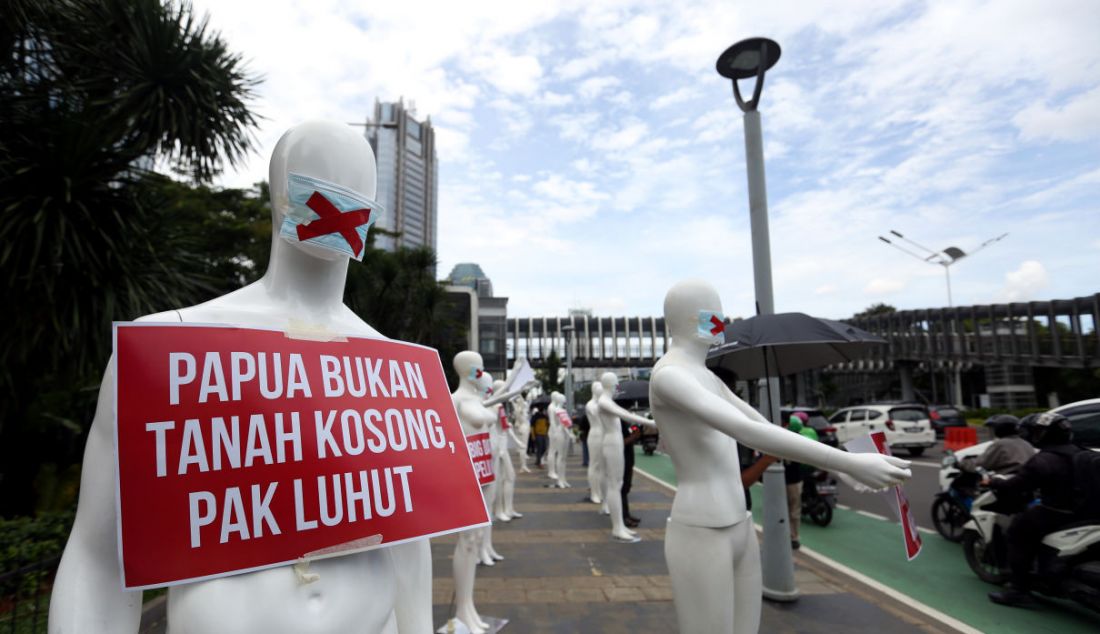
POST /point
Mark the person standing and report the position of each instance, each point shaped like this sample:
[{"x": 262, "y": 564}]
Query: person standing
[
  {"x": 793, "y": 476},
  {"x": 540, "y": 430},
  {"x": 631, "y": 434}
]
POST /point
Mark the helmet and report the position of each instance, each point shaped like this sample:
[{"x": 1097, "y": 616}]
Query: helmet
[
  {"x": 1003, "y": 425},
  {"x": 1046, "y": 429},
  {"x": 803, "y": 416}
]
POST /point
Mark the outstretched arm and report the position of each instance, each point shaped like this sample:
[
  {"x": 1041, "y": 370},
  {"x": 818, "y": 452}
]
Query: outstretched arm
[
  {"x": 678, "y": 388},
  {"x": 88, "y": 595},
  {"x": 614, "y": 408}
]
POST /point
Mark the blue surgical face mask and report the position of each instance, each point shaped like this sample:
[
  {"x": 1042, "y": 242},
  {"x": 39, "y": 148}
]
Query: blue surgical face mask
[
  {"x": 712, "y": 326},
  {"x": 328, "y": 215}
]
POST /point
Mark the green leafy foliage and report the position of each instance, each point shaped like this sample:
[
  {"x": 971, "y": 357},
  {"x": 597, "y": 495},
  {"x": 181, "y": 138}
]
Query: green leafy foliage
[{"x": 93, "y": 94}]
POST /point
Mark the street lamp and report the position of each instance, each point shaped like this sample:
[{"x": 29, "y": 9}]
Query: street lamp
[
  {"x": 745, "y": 59},
  {"x": 944, "y": 258},
  {"x": 568, "y": 330}
]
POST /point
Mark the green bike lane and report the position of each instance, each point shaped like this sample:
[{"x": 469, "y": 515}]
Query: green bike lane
[{"x": 938, "y": 578}]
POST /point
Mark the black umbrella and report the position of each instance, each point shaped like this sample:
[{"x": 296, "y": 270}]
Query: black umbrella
[{"x": 786, "y": 343}]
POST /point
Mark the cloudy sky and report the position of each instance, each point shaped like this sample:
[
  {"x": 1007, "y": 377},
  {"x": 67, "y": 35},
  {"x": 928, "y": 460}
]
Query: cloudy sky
[{"x": 590, "y": 156}]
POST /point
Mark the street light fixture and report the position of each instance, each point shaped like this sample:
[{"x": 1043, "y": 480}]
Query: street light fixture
[
  {"x": 944, "y": 258},
  {"x": 753, "y": 58}
]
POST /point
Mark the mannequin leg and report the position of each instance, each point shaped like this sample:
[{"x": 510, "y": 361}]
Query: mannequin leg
[
  {"x": 613, "y": 479},
  {"x": 563, "y": 452},
  {"x": 521, "y": 453},
  {"x": 507, "y": 489},
  {"x": 485, "y": 545},
  {"x": 552, "y": 458},
  {"x": 709, "y": 567},
  {"x": 747, "y": 579},
  {"x": 465, "y": 569},
  {"x": 595, "y": 473}
]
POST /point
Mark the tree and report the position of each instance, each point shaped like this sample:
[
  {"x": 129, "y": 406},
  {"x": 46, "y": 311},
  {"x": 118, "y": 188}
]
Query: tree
[
  {"x": 548, "y": 375},
  {"x": 874, "y": 310},
  {"x": 93, "y": 94}
]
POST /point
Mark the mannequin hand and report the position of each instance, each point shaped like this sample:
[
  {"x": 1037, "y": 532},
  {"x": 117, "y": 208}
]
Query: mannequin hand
[{"x": 876, "y": 471}]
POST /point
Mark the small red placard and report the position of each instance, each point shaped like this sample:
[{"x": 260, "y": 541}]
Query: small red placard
[{"x": 481, "y": 452}]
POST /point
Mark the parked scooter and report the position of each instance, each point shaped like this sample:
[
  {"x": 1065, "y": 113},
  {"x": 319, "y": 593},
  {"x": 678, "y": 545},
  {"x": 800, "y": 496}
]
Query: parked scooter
[
  {"x": 1068, "y": 564},
  {"x": 818, "y": 496}
]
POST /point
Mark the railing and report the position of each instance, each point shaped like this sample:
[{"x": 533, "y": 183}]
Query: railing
[
  {"x": 1057, "y": 333},
  {"x": 24, "y": 597}
]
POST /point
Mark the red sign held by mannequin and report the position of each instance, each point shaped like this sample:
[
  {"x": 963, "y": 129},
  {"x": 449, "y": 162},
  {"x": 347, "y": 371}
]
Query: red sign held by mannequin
[
  {"x": 876, "y": 441},
  {"x": 481, "y": 452},
  {"x": 503, "y": 418},
  {"x": 563, "y": 418},
  {"x": 242, "y": 449}
]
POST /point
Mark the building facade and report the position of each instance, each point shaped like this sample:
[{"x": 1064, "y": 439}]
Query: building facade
[
  {"x": 407, "y": 176},
  {"x": 488, "y": 315}
]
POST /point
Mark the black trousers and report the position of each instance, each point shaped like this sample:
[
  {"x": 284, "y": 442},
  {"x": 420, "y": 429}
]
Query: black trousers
[
  {"x": 541, "y": 443},
  {"x": 628, "y": 477},
  {"x": 1024, "y": 536}
]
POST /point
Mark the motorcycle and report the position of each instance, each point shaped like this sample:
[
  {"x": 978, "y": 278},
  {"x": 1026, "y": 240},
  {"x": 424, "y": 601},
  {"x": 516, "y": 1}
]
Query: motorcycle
[
  {"x": 1068, "y": 564},
  {"x": 818, "y": 497},
  {"x": 951, "y": 506}
]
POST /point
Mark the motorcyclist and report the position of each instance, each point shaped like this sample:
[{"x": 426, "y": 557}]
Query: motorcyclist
[
  {"x": 1008, "y": 452},
  {"x": 1050, "y": 473}
]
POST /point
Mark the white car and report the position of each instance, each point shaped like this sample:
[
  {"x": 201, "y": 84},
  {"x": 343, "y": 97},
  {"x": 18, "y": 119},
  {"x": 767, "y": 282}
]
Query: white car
[{"x": 906, "y": 426}]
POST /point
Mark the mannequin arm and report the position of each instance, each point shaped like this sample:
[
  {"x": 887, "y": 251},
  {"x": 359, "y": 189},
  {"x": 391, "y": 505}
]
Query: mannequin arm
[
  {"x": 88, "y": 595},
  {"x": 746, "y": 409},
  {"x": 676, "y": 387},
  {"x": 413, "y": 563},
  {"x": 512, "y": 433},
  {"x": 497, "y": 399},
  {"x": 625, "y": 414}
]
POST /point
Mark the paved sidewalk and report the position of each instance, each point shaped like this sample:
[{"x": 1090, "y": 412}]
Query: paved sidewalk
[{"x": 563, "y": 573}]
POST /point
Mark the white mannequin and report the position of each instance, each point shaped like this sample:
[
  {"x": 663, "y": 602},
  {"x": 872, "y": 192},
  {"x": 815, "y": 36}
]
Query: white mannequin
[
  {"x": 469, "y": 399},
  {"x": 503, "y": 509},
  {"x": 595, "y": 445},
  {"x": 560, "y": 439},
  {"x": 610, "y": 414},
  {"x": 304, "y": 284},
  {"x": 712, "y": 554},
  {"x": 488, "y": 555},
  {"x": 521, "y": 414}
]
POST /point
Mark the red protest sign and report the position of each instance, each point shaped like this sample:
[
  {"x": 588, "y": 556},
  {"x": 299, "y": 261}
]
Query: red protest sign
[
  {"x": 563, "y": 418},
  {"x": 503, "y": 418},
  {"x": 481, "y": 452},
  {"x": 241, "y": 449},
  {"x": 909, "y": 531}
]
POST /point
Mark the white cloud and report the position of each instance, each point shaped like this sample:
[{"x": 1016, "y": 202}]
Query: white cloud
[
  {"x": 1077, "y": 120},
  {"x": 883, "y": 286},
  {"x": 595, "y": 86},
  {"x": 1026, "y": 282}
]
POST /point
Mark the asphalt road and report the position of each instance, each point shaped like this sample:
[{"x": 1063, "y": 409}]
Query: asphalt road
[{"x": 921, "y": 489}]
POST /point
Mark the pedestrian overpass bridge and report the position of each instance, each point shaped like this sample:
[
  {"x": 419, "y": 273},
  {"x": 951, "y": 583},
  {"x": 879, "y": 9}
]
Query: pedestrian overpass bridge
[{"x": 1003, "y": 340}]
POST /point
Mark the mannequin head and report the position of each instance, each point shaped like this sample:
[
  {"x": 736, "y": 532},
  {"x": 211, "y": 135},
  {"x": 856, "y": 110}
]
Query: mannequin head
[
  {"x": 597, "y": 390},
  {"x": 685, "y": 302},
  {"x": 469, "y": 367},
  {"x": 485, "y": 384},
  {"x": 324, "y": 150},
  {"x": 557, "y": 398},
  {"x": 498, "y": 386},
  {"x": 609, "y": 382}
]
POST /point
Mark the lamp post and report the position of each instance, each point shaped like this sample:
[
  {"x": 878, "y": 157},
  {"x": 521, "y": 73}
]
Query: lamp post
[
  {"x": 944, "y": 258},
  {"x": 746, "y": 59},
  {"x": 568, "y": 330}
]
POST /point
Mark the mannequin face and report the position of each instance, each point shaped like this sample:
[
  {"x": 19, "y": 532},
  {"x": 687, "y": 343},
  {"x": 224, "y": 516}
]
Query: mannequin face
[
  {"x": 691, "y": 309},
  {"x": 597, "y": 389},
  {"x": 469, "y": 367},
  {"x": 485, "y": 384},
  {"x": 329, "y": 152}
]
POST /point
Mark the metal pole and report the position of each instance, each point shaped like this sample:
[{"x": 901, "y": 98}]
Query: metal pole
[
  {"x": 947, "y": 272},
  {"x": 569, "y": 369},
  {"x": 777, "y": 563}
]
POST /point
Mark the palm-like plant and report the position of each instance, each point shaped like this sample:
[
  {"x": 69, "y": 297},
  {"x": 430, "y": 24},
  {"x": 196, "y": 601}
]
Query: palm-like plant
[{"x": 93, "y": 94}]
